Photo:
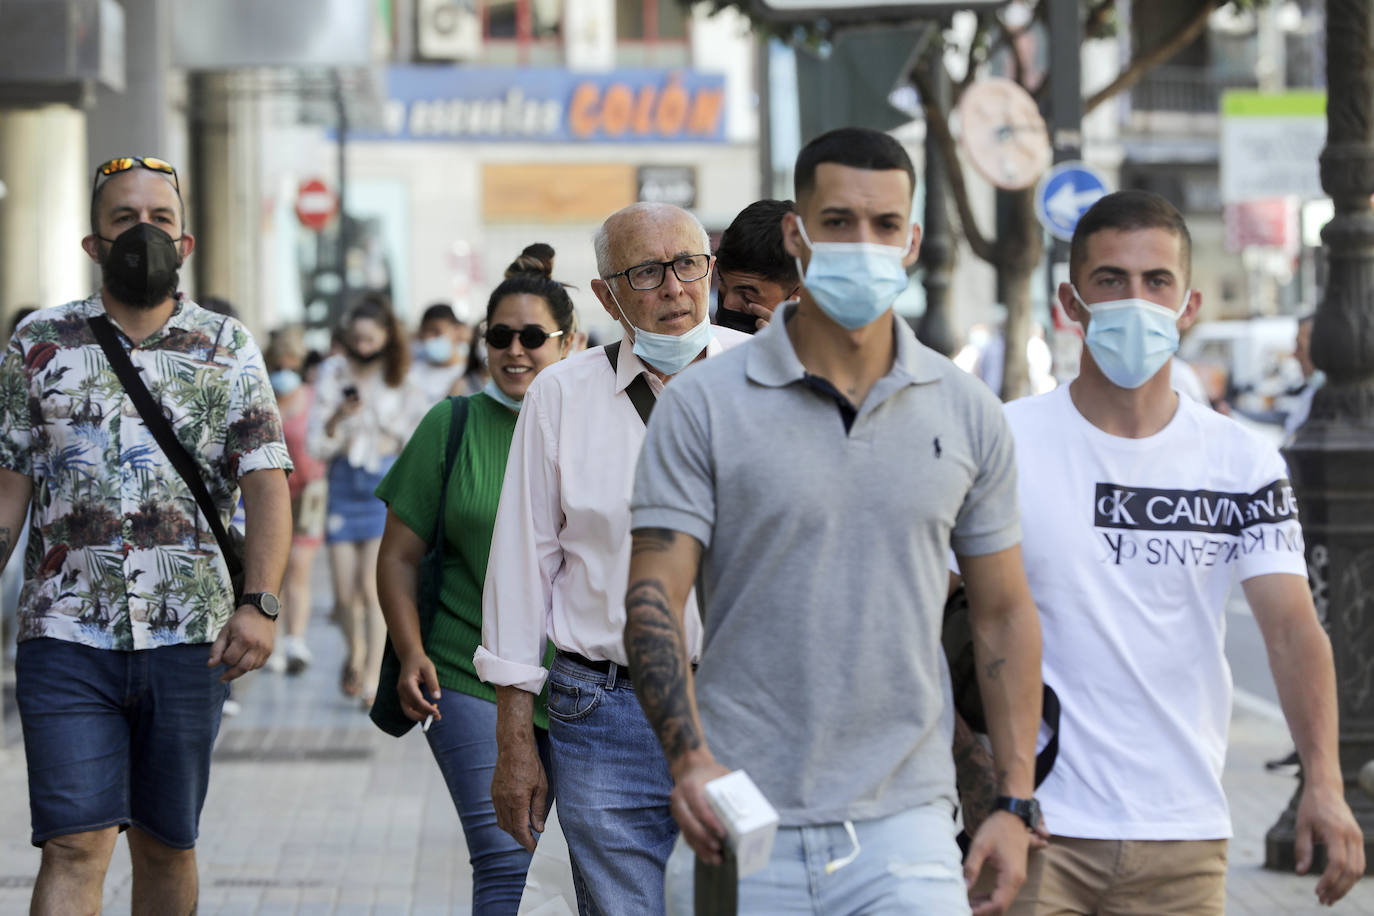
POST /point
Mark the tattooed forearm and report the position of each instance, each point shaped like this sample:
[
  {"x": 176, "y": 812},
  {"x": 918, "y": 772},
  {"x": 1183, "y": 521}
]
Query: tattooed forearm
[
  {"x": 974, "y": 774},
  {"x": 993, "y": 669},
  {"x": 651, "y": 540},
  {"x": 658, "y": 665}
]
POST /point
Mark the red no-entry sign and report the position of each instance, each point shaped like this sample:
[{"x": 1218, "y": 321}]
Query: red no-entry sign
[{"x": 316, "y": 204}]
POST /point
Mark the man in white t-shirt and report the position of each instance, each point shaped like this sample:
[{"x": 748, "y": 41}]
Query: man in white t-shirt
[
  {"x": 442, "y": 347},
  {"x": 1139, "y": 510}
]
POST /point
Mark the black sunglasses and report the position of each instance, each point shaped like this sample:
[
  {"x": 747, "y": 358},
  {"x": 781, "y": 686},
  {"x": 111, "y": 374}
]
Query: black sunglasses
[{"x": 532, "y": 336}]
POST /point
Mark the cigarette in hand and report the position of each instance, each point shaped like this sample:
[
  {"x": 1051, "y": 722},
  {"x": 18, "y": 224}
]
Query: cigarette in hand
[{"x": 429, "y": 720}]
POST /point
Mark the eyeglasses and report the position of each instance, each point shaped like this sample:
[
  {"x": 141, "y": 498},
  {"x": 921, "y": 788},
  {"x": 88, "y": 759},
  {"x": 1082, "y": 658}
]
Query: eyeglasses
[
  {"x": 651, "y": 275},
  {"x": 532, "y": 336},
  {"x": 124, "y": 163}
]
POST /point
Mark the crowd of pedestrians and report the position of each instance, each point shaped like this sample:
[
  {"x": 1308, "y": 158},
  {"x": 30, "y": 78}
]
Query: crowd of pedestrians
[{"x": 607, "y": 577}]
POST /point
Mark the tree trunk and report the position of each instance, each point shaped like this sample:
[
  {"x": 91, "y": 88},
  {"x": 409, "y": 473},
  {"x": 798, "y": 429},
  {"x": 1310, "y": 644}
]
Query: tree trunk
[{"x": 1018, "y": 253}]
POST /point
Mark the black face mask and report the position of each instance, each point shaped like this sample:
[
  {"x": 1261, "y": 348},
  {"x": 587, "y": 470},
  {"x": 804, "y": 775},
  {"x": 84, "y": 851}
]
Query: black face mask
[
  {"x": 140, "y": 269},
  {"x": 735, "y": 320},
  {"x": 365, "y": 359}
]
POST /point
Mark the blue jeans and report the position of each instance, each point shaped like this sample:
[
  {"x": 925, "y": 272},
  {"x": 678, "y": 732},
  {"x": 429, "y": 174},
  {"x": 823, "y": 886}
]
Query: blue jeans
[
  {"x": 908, "y": 864},
  {"x": 613, "y": 787},
  {"x": 117, "y": 738},
  {"x": 464, "y": 746}
]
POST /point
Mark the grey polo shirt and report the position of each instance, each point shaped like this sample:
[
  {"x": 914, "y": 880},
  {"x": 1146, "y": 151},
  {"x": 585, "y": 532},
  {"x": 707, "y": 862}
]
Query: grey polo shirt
[{"x": 825, "y": 567}]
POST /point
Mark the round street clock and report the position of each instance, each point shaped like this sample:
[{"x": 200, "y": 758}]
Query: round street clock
[{"x": 1002, "y": 133}]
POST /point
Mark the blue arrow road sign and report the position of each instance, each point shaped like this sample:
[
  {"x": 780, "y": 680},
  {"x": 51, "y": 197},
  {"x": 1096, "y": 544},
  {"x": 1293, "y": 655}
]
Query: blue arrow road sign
[{"x": 1065, "y": 194}]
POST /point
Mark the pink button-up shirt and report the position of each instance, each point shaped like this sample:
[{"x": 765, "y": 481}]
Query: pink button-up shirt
[{"x": 560, "y": 552}]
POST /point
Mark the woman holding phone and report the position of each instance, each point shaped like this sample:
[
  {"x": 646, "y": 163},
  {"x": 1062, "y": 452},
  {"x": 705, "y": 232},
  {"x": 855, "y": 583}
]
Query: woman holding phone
[
  {"x": 364, "y": 411},
  {"x": 529, "y": 327}
]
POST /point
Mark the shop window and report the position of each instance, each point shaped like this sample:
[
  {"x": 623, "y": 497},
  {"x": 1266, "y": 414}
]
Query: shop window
[
  {"x": 501, "y": 18},
  {"x": 546, "y": 16},
  {"x": 522, "y": 20},
  {"x": 650, "y": 20}
]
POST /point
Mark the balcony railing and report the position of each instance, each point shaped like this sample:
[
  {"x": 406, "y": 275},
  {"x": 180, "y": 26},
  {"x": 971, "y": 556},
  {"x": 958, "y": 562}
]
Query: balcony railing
[{"x": 1185, "y": 90}]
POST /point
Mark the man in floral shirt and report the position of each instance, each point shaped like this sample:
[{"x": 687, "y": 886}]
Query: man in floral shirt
[{"x": 128, "y": 632}]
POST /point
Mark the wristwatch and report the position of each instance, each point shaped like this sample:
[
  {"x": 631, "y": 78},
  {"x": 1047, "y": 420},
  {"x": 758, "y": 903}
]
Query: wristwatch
[
  {"x": 266, "y": 603},
  {"x": 1028, "y": 809}
]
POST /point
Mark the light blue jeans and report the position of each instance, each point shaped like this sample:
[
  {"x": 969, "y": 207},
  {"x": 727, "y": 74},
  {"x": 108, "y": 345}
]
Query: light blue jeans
[
  {"x": 613, "y": 786},
  {"x": 908, "y": 865},
  {"x": 464, "y": 746}
]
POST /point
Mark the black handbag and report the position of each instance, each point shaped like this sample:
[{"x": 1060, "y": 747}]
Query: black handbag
[
  {"x": 386, "y": 712},
  {"x": 230, "y": 541}
]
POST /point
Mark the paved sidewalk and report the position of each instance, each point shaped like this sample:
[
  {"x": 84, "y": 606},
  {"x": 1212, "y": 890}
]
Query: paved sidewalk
[{"x": 312, "y": 810}]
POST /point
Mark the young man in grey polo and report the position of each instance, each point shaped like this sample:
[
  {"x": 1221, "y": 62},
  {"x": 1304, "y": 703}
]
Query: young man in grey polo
[{"x": 816, "y": 479}]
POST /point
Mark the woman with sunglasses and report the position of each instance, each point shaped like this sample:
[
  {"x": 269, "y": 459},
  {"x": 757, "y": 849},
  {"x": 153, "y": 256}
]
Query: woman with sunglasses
[{"x": 529, "y": 324}]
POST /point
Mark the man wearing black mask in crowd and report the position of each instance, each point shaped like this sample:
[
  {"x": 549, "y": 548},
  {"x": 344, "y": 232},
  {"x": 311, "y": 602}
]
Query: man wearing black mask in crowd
[
  {"x": 129, "y": 622},
  {"x": 754, "y": 273}
]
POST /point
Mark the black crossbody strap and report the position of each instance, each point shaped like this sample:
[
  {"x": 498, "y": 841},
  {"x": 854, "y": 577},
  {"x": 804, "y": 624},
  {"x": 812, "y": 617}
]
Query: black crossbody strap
[
  {"x": 641, "y": 395},
  {"x": 157, "y": 424}
]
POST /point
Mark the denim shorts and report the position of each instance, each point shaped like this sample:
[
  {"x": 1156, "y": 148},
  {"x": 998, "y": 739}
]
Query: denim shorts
[{"x": 117, "y": 738}]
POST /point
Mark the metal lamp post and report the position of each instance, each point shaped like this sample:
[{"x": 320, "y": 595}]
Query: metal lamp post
[{"x": 1331, "y": 457}]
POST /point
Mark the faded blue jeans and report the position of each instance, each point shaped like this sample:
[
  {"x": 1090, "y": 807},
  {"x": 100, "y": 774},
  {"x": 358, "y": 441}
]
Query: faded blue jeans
[
  {"x": 908, "y": 865},
  {"x": 613, "y": 787},
  {"x": 464, "y": 746}
]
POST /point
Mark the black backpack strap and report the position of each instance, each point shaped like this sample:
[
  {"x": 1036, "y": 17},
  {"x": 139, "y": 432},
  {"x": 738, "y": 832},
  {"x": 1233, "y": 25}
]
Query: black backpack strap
[
  {"x": 1049, "y": 711},
  {"x": 161, "y": 429},
  {"x": 641, "y": 395},
  {"x": 458, "y": 419}
]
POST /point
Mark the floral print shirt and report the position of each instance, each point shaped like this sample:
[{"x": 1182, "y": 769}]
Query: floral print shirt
[{"x": 119, "y": 555}]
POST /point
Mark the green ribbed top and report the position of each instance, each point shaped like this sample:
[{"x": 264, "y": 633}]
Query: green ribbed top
[{"x": 410, "y": 489}]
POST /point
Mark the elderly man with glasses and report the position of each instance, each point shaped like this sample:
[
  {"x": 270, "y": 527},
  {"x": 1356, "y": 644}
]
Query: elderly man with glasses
[
  {"x": 130, "y": 624},
  {"x": 560, "y": 554}
]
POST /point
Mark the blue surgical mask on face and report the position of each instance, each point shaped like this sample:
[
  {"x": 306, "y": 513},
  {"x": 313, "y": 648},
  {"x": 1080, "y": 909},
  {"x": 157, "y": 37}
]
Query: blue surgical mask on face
[
  {"x": 493, "y": 391},
  {"x": 667, "y": 353},
  {"x": 437, "y": 350},
  {"x": 1131, "y": 339},
  {"x": 854, "y": 283},
  {"x": 284, "y": 381}
]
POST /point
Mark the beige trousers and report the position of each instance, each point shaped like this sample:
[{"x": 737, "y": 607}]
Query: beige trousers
[{"x": 1076, "y": 877}]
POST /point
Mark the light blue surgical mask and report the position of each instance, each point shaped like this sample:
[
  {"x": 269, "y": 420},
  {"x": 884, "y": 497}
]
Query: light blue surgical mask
[
  {"x": 1131, "y": 339},
  {"x": 437, "y": 350},
  {"x": 854, "y": 283},
  {"x": 493, "y": 391},
  {"x": 667, "y": 353},
  {"x": 284, "y": 381}
]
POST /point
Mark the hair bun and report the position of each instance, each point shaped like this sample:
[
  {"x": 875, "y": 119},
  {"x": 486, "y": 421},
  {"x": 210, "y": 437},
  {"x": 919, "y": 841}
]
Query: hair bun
[{"x": 530, "y": 264}]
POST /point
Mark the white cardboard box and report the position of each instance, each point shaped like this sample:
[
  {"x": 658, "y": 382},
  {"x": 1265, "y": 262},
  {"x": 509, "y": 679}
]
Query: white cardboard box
[{"x": 749, "y": 819}]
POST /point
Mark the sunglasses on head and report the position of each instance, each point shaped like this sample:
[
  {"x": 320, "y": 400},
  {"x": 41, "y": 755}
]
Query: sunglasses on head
[
  {"x": 151, "y": 163},
  {"x": 532, "y": 336},
  {"x": 124, "y": 164}
]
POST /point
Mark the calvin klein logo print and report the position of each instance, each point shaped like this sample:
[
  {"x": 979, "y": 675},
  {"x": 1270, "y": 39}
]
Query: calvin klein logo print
[{"x": 1209, "y": 511}]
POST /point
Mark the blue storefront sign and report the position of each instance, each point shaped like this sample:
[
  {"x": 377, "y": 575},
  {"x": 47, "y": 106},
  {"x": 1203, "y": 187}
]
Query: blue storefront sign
[{"x": 509, "y": 104}]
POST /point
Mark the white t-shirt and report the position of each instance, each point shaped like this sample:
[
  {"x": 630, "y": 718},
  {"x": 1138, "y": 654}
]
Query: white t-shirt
[
  {"x": 1183, "y": 378},
  {"x": 436, "y": 381},
  {"x": 1131, "y": 546}
]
